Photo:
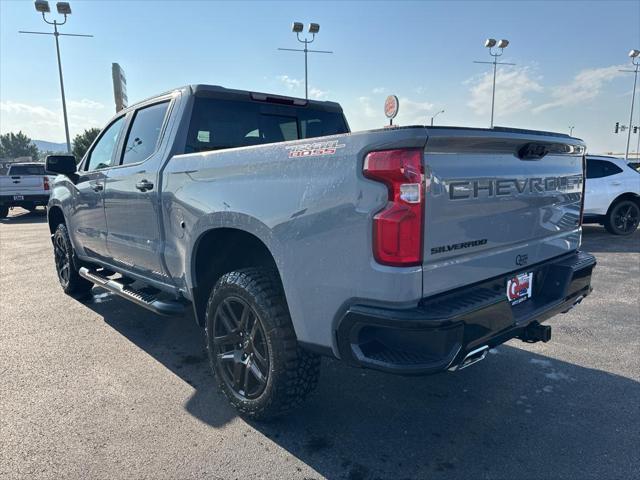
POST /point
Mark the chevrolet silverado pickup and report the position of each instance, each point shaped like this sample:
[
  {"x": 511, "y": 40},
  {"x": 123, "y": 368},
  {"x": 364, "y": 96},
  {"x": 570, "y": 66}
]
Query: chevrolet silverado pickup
[
  {"x": 25, "y": 185},
  {"x": 411, "y": 250}
]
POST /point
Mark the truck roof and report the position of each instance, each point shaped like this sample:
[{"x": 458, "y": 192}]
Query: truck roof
[{"x": 218, "y": 91}]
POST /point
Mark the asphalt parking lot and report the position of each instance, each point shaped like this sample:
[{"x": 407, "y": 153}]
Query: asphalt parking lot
[{"x": 105, "y": 389}]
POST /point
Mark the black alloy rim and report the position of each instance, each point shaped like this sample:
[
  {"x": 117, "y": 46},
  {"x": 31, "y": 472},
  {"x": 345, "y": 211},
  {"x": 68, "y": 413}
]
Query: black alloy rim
[
  {"x": 63, "y": 262},
  {"x": 240, "y": 348},
  {"x": 626, "y": 218}
]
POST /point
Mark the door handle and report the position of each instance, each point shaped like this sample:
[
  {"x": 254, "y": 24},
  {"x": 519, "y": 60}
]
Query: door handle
[
  {"x": 616, "y": 183},
  {"x": 144, "y": 185},
  {"x": 97, "y": 187}
]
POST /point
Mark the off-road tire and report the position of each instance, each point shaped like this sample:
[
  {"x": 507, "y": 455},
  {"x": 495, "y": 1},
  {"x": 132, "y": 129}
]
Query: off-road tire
[
  {"x": 614, "y": 226},
  {"x": 292, "y": 371},
  {"x": 72, "y": 283}
]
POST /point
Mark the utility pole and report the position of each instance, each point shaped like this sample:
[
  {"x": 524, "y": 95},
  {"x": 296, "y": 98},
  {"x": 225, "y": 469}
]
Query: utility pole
[
  {"x": 502, "y": 44},
  {"x": 63, "y": 8},
  {"x": 635, "y": 60},
  {"x": 313, "y": 28}
]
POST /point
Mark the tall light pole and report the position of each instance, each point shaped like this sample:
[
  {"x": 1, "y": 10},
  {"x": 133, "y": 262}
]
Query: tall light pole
[
  {"x": 502, "y": 44},
  {"x": 313, "y": 28},
  {"x": 635, "y": 60},
  {"x": 63, "y": 8},
  {"x": 437, "y": 113}
]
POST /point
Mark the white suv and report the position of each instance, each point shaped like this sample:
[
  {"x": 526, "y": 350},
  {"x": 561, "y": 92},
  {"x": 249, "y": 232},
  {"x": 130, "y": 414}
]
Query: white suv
[{"x": 612, "y": 194}]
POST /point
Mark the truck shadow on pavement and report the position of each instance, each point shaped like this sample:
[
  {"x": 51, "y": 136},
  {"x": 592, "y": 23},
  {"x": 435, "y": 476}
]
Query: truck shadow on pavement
[
  {"x": 516, "y": 414},
  {"x": 21, "y": 216}
]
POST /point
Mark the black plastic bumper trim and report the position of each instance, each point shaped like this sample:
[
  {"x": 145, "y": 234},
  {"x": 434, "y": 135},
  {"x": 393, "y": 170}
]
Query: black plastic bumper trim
[{"x": 441, "y": 330}]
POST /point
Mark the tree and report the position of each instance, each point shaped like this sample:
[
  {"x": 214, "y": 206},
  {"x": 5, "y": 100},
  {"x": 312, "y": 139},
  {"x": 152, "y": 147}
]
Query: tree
[
  {"x": 14, "y": 145},
  {"x": 83, "y": 141}
]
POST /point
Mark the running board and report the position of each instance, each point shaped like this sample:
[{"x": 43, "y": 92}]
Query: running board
[{"x": 146, "y": 300}]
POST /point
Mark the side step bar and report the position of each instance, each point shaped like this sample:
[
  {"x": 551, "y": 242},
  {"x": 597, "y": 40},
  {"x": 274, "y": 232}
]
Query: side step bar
[{"x": 148, "y": 301}]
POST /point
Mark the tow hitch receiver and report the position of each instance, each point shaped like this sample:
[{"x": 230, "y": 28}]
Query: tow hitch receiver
[{"x": 534, "y": 332}]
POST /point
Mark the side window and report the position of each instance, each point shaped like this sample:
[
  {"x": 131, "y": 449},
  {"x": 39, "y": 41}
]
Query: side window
[
  {"x": 611, "y": 169},
  {"x": 594, "y": 169},
  {"x": 143, "y": 135},
  {"x": 102, "y": 155},
  {"x": 601, "y": 168}
]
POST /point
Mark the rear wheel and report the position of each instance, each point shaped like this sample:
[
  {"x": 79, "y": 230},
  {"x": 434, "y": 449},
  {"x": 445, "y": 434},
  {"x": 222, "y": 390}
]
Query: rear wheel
[
  {"x": 623, "y": 217},
  {"x": 70, "y": 280},
  {"x": 4, "y": 211},
  {"x": 252, "y": 346}
]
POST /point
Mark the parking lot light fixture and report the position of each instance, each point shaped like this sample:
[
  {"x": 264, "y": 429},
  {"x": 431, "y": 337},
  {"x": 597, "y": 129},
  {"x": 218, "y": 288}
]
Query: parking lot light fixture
[
  {"x": 490, "y": 43},
  {"x": 42, "y": 6},
  {"x": 634, "y": 55},
  {"x": 313, "y": 29},
  {"x": 434, "y": 116},
  {"x": 63, "y": 8}
]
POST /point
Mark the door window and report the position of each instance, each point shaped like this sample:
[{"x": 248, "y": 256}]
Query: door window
[
  {"x": 103, "y": 154},
  {"x": 601, "y": 168},
  {"x": 143, "y": 135}
]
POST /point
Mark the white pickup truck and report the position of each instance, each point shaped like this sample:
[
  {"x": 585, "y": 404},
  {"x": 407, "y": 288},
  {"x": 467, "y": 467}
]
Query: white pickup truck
[{"x": 25, "y": 185}]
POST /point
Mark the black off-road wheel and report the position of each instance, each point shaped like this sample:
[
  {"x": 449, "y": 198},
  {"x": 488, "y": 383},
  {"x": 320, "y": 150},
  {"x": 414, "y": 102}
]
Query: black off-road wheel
[
  {"x": 623, "y": 217},
  {"x": 252, "y": 345},
  {"x": 4, "y": 211},
  {"x": 71, "y": 282}
]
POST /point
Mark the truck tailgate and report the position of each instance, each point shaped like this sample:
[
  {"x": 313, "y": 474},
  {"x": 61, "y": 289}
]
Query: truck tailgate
[{"x": 497, "y": 201}]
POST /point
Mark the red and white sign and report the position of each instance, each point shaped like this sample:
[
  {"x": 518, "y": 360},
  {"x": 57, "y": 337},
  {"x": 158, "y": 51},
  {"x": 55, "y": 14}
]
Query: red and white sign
[
  {"x": 520, "y": 288},
  {"x": 391, "y": 106}
]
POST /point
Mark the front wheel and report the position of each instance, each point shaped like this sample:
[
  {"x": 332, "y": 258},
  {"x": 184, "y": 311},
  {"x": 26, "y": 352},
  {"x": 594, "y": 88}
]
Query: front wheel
[
  {"x": 70, "y": 280},
  {"x": 623, "y": 218},
  {"x": 4, "y": 211},
  {"x": 252, "y": 346}
]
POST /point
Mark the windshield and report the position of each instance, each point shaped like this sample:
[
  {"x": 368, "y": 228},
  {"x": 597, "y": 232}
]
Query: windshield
[
  {"x": 217, "y": 124},
  {"x": 27, "y": 170}
]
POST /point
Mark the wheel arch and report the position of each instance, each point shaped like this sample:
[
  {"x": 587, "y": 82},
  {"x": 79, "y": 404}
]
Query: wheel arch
[
  {"x": 54, "y": 218},
  {"x": 221, "y": 250},
  {"x": 624, "y": 196}
]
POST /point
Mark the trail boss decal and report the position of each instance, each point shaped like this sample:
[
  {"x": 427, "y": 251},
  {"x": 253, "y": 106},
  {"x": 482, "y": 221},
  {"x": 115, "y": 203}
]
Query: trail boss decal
[
  {"x": 317, "y": 149},
  {"x": 457, "y": 246}
]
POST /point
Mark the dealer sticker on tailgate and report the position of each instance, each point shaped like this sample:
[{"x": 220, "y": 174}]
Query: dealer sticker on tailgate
[{"x": 519, "y": 288}]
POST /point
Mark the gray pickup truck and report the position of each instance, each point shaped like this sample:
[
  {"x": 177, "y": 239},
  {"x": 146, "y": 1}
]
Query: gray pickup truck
[{"x": 411, "y": 250}]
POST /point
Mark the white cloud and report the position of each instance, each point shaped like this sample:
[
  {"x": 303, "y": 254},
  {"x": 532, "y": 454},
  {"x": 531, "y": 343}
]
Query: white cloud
[
  {"x": 85, "y": 103},
  {"x": 378, "y": 90},
  {"x": 512, "y": 88},
  {"x": 42, "y": 123},
  {"x": 586, "y": 85},
  {"x": 317, "y": 94},
  {"x": 296, "y": 87},
  {"x": 37, "y": 111},
  {"x": 290, "y": 83},
  {"x": 412, "y": 112}
]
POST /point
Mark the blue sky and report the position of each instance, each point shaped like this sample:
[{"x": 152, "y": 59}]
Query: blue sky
[{"x": 567, "y": 55}]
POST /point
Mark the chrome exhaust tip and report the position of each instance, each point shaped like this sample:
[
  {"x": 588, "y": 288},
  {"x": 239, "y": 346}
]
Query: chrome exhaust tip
[{"x": 472, "y": 357}]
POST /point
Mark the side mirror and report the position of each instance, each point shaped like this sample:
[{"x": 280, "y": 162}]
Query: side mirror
[{"x": 62, "y": 164}]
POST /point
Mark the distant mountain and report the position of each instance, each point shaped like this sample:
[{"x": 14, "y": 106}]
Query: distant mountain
[{"x": 45, "y": 146}]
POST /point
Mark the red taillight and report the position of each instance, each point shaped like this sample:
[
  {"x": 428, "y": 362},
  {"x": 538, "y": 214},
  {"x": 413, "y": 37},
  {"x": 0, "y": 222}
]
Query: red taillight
[
  {"x": 397, "y": 228},
  {"x": 45, "y": 183}
]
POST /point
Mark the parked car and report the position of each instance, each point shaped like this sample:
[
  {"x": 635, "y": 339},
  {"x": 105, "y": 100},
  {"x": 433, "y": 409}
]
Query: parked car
[
  {"x": 409, "y": 250},
  {"x": 25, "y": 185},
  {"x": 612, "y": 195}
]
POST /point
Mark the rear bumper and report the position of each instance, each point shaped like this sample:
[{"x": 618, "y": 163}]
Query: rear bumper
[
  {"x": 439, "y": 333},
  {"x": 27, "y": 200}
]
